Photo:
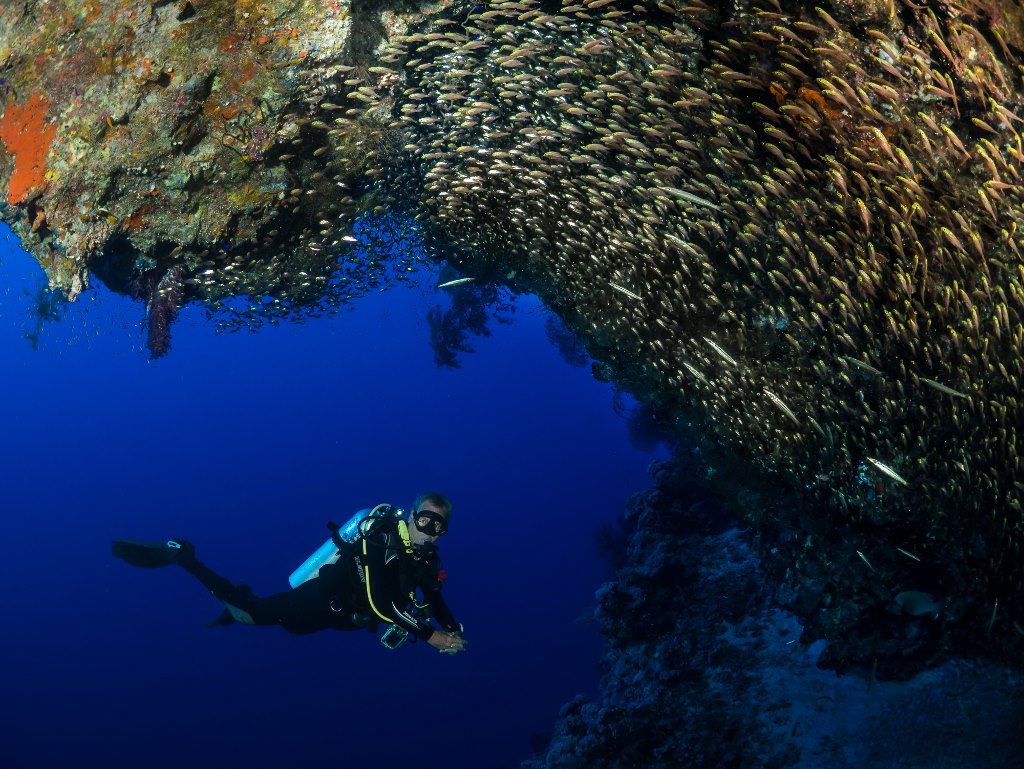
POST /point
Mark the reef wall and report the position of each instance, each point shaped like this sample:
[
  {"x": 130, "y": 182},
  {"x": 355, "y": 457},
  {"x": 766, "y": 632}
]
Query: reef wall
[
  {"x": 187, "y": 150},
  {"x": 702, "y": 669},
  {"x": 792, "y": 228}
]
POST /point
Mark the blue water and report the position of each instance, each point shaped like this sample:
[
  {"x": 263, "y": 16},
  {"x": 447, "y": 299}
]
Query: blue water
[{"x": 247, "y": 444}]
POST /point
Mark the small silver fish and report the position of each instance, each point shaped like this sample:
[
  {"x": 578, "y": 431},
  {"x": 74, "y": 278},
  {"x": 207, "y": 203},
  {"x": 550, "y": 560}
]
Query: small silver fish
[
  {"x": 777, "y": 401},
  {"x": 944, "y": 388},
  {"x": 865, "y": 559},
  {"x": 908, "y": 554},
  {"x": 690, "y": 197},
  {"x": 887, "y": 470},
  {"x": 626, "y": 291},
  {"x": 861, "y": 365},
  {"x": 695, "y": 372},
  {"x": 456, "y": 282},
  {"x": 724, "y": 355}
]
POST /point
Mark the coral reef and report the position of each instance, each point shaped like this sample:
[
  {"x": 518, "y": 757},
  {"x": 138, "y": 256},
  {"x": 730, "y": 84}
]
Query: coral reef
[
  {"x": 702, "y": 670},
  {"x": 193, "y": 135}
]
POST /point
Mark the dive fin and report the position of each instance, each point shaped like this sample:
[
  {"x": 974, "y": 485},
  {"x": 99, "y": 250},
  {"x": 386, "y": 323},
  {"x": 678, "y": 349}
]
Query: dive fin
[{"x": 151, "y": 555}]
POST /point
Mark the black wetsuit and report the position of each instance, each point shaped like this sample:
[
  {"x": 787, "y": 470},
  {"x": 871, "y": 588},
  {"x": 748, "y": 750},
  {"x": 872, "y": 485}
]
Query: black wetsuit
[{"x": 374, "y": 580}]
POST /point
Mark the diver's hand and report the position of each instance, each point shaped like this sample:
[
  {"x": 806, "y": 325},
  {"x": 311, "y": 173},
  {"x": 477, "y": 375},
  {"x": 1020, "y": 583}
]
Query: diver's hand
[{"x": 447, "y": 643}]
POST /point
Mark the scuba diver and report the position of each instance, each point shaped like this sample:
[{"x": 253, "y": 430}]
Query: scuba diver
[{"x": 366, "y": 574}]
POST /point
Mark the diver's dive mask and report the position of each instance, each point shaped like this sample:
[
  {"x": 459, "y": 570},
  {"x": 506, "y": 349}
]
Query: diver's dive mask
[{"x": 435, "y": 524}]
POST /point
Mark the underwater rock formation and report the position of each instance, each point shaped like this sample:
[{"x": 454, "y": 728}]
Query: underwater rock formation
[
  {"x": 790, "y": 227},
  {"x": 192, "y": 136},
  {"x": 703, "y": 670}
]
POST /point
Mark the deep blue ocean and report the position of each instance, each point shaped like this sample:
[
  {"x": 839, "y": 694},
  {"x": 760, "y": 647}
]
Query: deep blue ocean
[{"x": 247, "y": 444}]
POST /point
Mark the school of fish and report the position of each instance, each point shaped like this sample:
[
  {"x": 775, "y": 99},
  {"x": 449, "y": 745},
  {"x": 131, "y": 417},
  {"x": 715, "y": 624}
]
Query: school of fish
[{"x": 797, "y": 226}]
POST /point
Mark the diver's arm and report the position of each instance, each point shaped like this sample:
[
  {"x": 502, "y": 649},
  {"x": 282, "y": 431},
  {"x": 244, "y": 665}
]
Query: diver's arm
[
  {"x": 439, "y": 609},
  {"x": 383, "y": 590},
  {"x": 429, "y": 578}
]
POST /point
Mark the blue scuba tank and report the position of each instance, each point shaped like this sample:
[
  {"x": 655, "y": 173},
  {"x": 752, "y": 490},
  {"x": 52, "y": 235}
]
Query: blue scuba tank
[{"x": 328, "y": 551}]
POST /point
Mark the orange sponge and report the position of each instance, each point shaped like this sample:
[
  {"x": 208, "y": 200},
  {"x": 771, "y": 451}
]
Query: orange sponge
[{"x": 26, "y": 135}]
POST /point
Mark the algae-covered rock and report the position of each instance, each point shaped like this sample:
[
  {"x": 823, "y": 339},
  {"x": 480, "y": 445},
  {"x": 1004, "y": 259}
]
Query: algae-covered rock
[{"x": 191, "y": 141}]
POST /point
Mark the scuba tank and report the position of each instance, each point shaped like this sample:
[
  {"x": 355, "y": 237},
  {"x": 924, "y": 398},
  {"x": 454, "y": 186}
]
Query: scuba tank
[{"x": 328, "y": 552}]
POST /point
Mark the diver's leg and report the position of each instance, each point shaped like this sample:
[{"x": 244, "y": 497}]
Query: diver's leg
[
  {"x": 242, "y": 604},
  {"x": 299, "y": 611},
  {"x": 303, "y": 610},
  {"x": 221, "y": 587}
]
